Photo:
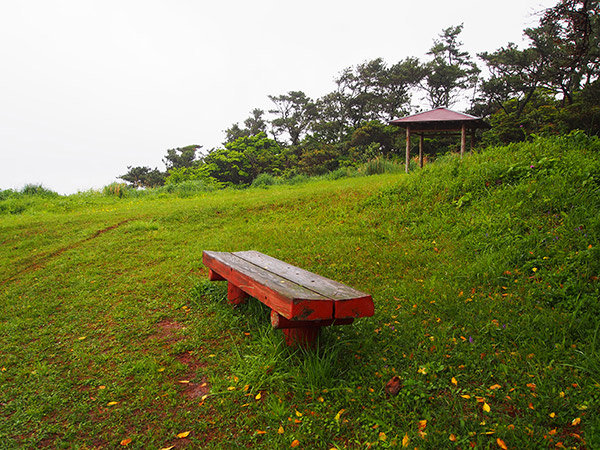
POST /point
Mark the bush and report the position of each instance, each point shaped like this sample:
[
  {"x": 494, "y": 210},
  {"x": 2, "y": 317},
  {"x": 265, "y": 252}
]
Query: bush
[
  {"x": 116, "y": 190},
  {"x": 381, "y": 165},
  {"x": 5, "y": 194},
  {"x": 39, "y": 190},
  {"x": 264, "y": 180},
  {"x": 297, "y": 179},
  {"x": 186, "y": 188}
]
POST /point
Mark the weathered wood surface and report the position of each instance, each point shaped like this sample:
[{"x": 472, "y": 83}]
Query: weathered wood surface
[{"x": 294, "y": 293}]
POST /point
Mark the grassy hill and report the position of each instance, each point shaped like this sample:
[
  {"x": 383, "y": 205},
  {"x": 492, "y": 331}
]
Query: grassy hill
[{"x": 484, "y": 273}]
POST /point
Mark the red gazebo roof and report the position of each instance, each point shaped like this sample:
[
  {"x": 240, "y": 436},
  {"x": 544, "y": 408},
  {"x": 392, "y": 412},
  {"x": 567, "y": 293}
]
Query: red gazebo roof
[{"x": 440, "y": 119}]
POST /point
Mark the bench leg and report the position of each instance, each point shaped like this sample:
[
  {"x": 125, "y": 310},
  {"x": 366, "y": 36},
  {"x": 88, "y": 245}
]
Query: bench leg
[
  {"x": 214, "y": 276},
  {"x": 235, "y": 295},
  {"x": 304, "y": 337}
]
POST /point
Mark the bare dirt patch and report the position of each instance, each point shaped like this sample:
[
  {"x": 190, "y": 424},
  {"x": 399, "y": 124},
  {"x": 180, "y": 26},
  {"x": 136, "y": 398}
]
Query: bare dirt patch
[{"x": 198, "y": 388}]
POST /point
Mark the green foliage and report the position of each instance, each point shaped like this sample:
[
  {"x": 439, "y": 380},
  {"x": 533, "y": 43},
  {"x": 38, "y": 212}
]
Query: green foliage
[
  {"x": 143, "y": 177},
  {"x": 380, "y": 165},
  {"x": 295, "y": 113},
  {"x": 264, "y": 180},
  {"x": 242, "y": 160},
  {"x": 37, "y": 190},
  {"x": 450, "y": 71},
  {"x": 119, "y": 190},
  {"x": 189, "y": 187},
  {"x": 184, "y": 174},
  {"x": 318, "y": 160},
  {"x": 177, "y": 158},
  {"x": 386, "y": 137},
  {"x": 254, "y": 125}
]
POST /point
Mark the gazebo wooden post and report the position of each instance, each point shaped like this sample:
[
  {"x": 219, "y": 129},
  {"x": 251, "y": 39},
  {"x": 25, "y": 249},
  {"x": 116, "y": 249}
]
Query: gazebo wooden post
[
  {"x": 407, "y": 147},
  {"x": 439, "y": 120},
  {"x": 421, "y": 150}
]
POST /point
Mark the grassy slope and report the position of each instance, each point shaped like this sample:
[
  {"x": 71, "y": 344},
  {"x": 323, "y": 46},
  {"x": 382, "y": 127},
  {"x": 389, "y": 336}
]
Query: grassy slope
[{"x": 485, "y": 278}]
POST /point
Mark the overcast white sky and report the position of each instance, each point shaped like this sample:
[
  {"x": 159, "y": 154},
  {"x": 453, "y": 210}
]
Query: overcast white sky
[{"x": 90, "y": 87}]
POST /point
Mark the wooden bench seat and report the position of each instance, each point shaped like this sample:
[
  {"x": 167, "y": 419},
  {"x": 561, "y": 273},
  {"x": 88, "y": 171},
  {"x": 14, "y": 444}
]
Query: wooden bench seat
[{"x": 301, "y": 302}]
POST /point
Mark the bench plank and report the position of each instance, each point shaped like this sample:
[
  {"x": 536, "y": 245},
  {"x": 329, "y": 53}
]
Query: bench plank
[
  {"x": 286, "y": 297},
  {"x": 348, "y": 302}
]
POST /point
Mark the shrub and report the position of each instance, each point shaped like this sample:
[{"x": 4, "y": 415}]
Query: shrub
[
  {"x": 187, "y": 188},
  {"x": 264, "y": 180},
  {"x": 381, "y": 165},
  {"x": 39, "y": 190},
  {"x": 116, "y": 190}
]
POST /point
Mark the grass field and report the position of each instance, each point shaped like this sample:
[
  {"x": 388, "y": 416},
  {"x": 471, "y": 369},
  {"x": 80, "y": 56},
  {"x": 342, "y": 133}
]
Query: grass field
[{"x": 484, "y": 274}]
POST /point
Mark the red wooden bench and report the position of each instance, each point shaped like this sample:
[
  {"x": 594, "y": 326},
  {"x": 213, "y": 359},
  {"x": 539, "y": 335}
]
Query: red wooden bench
[{"x": 301, "y": 302}]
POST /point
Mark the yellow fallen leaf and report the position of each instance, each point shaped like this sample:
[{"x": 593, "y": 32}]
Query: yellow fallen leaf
[
  {"x": 494, "y": 387},
  {"x": 231, "y": 388},
  {"x": 422, "y": 424},
  {"x": 101, "y": 387},
  {"x": 295, "y": 443},
  {"x": 261, "y": 432},
  {"x": 405, "y": 440},
  {"x": 204, "y": 397},
  {"x": 81, "y": 339},
  {"x": 162, "y": 369},
  {"x": 382, "y": 436},
  {"x": 112, "y": 403},
  {"x": 576, "y": 421},
  {"x": 486, "y": 407},
  {"x": 280, "y": 430},
  {"x": 184, "y": 381},
  {"x": 501, "y": 444},
  {"x": 125, "y": 442},
  {"x": 552, "y": 415},
  {"x": 168, "y": 448},
  {"x": 258, "y": 396},
  {"x": 298, "y": 413},
  {"x": 467, "y": 396},
  {"x": 340, "y": 412},
  {"x": 183, "y": 434},
  {"x": 452, "y": 437},
  {"x": 454, "y": 382}
]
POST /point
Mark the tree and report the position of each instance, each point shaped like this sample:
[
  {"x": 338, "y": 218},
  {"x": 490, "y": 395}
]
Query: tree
[
  {"x": 295, "y": 113},
  {"x": 143, "y": 177},
  {"x": 514, "y": 74},
  {"x": 568, "y": 43},
  {"x": 450, "y": 71},
  {"x": 181, "y": 157},
  {"x": 242, "y": 160},
  {"x": 367, "y": 92},
  {"x": 254, "y": 125},
  {"x": 263, "y": 154},
  {"x": 384, "y": 136}
]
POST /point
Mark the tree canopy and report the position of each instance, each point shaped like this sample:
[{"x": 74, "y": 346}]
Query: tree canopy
[{"x": 549, "y": 86}]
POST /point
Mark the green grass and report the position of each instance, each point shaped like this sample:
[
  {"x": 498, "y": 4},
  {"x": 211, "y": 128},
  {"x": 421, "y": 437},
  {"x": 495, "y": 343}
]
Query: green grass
[{"x": 484, "y": 273}]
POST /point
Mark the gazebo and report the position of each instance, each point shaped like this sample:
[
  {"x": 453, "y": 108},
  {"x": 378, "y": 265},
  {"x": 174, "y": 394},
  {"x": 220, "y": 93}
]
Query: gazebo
[{"x": 439, "y": 121}]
